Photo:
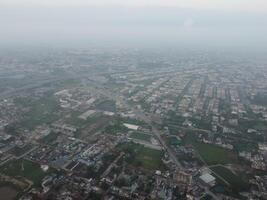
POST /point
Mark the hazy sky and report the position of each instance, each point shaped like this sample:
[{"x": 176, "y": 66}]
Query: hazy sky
[
  {"x": 176, "y": 22},
  {"x": 233, "y": 5}
]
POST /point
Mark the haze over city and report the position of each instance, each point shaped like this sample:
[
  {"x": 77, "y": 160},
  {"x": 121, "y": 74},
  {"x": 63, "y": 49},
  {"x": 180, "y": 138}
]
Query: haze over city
[
  {"x": 133, "y": 100},
  {"x": 239, "y": 23}
]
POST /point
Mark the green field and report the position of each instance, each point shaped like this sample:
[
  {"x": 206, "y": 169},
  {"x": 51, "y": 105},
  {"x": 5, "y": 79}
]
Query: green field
[
  {"x": 50, "y": 138},
  {"x": 236, "y": 181},
  {"x": 116, "y": 128},
  {"x": 212, "y": 154},
  {"x": 141, "y": 156},
  {"x": 107, "y": 105},
  {"x": 42, "y": 111},
  {"x": 140, "y": 136},
  {"x": 24, "y": 168}
]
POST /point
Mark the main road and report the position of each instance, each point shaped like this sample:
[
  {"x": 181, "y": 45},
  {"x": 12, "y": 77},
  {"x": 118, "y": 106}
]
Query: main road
[{"x": 140, "y": 114}]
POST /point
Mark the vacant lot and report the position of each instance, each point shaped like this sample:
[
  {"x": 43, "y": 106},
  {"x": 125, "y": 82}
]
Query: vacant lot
[{"x": 8, "y": 193}]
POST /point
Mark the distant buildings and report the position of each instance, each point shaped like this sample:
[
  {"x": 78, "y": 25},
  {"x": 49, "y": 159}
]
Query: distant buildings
[
  {"x": 63, "y": 128},
  {"x": 183, "y": 177},
  {"x": 131, "y": 126}
]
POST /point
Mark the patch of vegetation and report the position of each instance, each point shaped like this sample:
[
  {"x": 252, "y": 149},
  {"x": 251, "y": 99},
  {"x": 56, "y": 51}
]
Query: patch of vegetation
[
  {"x": 81, "y": 123},
  {"x": 141, "y": 156},
  {"x": 202, "y": 124},
  {"x": 116, "y": 128},
  {"x": 50, "y": 138},
  {"x": 108, "y": 105},
  {"x": 260, "y": 99},
  {"x": 24, "y": 168},
  {"x": 252, "y": 124},
  {"x": 206, "y": 197},
  {"x": 245, "y": 146},
  {"x": 146, "y": 106},
  {"x": 68, "y": 83},
  {"x": 42, "y": 111},
  {"x": 225, "y": 107},
  {"x": 140, "y": 136},
  {"x": 12, "y": 129},
  {"x": 237, "y": 181},
  {"x": 190, "y": 138},
  {"x": 174, "y": 119},
  {"x": 172, "y": 140},
  {"x": 211, "y": 154}
]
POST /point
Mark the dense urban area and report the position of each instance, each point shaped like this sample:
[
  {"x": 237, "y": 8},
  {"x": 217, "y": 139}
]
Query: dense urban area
[{"x": 86, "y": 124}]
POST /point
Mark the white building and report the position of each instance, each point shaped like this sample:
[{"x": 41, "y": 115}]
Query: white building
[{"x": 208, "y": 179}]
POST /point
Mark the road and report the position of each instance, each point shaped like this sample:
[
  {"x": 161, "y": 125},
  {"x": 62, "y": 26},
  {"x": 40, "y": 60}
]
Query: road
[
  {"x": 140, "y": 114},
  {"x": 144, "y": 117}
]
